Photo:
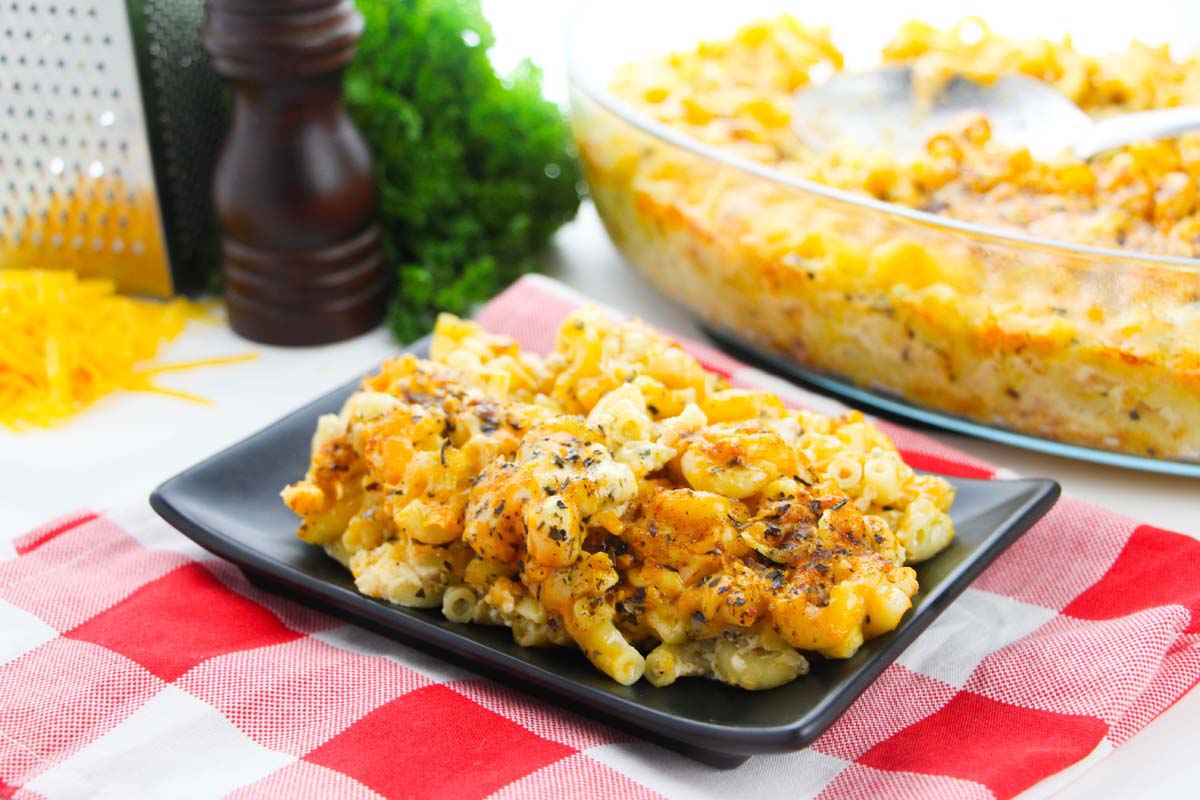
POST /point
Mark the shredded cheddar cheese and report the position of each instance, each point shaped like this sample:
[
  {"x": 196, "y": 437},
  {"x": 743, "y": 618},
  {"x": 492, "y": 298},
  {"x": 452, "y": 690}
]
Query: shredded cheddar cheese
[{"x": 65, "y": 342}]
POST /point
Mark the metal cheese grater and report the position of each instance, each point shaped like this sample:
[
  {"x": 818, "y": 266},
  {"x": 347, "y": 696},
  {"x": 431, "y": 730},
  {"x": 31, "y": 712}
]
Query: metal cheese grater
[{"x": 110, "y": 122}]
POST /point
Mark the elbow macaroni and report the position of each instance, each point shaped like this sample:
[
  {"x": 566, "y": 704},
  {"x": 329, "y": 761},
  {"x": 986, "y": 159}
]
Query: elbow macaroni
[
  {"x": 1100, "y": 352},
  {"x": 617, "y": 498}
]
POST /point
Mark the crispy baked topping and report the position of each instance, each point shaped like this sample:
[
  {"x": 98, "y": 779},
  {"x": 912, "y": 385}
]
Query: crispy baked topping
[{"x": 546, "y": 496}]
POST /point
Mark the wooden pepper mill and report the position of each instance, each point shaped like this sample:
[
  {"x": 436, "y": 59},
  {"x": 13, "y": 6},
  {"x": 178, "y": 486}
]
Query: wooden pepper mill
[{"x": 294, "y": 186}]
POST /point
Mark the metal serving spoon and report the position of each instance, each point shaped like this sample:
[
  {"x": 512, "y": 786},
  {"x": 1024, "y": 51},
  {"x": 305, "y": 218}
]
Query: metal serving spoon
[{"x": 878, "y": 110}]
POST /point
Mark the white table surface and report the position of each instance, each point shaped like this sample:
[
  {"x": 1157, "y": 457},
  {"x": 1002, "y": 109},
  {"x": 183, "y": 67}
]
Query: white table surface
[{"x": 117, "y": 452}]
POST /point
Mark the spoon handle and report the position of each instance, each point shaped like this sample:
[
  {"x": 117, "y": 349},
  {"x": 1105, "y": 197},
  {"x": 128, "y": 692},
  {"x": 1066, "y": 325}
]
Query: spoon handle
[{"x": 1128, "y": 128}]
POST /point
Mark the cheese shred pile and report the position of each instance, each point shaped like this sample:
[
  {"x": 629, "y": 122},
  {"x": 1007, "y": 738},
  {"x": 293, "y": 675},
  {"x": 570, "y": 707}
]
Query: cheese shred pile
[{"x": 65, "y": 342}]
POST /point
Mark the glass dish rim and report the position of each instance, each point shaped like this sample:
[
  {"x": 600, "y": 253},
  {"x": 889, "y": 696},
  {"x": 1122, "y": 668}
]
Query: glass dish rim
[{"x": 580, "y": 79}]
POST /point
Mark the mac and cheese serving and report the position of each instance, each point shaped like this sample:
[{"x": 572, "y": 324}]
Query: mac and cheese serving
[
  {"x": 616, "y": 497},
  {"x": 1097, "y": 350}
]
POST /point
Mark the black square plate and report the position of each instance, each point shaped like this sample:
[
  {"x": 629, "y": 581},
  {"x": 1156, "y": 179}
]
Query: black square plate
[{"x": 230, "y": 505}]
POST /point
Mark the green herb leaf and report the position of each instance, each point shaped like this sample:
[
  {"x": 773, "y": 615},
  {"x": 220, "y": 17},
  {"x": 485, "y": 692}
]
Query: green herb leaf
[{"x": 475, "y": 171}]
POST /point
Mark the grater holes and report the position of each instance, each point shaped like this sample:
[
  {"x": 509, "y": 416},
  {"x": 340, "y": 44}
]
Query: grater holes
[{"x": 62, "y": 110}]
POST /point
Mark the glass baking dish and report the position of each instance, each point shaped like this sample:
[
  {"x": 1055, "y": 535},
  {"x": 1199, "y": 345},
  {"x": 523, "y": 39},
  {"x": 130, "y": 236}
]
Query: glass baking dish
[{"x": 1095, "y": 348}]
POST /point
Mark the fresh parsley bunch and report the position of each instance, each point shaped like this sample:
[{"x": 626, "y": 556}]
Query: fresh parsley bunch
[{"x": 475, "y": 170}]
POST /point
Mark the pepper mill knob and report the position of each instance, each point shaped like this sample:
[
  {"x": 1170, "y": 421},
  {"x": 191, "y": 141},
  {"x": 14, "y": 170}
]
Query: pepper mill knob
[{"x": 294, "y": 187}]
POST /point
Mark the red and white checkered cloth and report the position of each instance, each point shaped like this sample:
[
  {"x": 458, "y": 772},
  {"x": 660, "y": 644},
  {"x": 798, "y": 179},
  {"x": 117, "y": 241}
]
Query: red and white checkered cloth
[{"x": 133, "y": 664}]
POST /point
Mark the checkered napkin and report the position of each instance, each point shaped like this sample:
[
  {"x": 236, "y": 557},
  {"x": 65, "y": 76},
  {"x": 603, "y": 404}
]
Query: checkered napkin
[{"x": 132, "y": 664}]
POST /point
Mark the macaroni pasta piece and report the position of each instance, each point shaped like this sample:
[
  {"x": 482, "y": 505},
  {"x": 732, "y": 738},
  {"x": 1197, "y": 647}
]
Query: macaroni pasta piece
[{"x": 617, "y": 498}]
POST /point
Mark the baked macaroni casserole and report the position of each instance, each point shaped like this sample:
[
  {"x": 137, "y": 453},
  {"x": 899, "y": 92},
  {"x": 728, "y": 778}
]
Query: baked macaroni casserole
[
  {"x": 1096, "y": 349},
  {"x": 618, "y": 498}
]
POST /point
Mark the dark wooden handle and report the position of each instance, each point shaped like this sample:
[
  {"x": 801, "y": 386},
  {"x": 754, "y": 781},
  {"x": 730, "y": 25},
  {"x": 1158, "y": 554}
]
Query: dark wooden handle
[{"x": 294, "y": 186}]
